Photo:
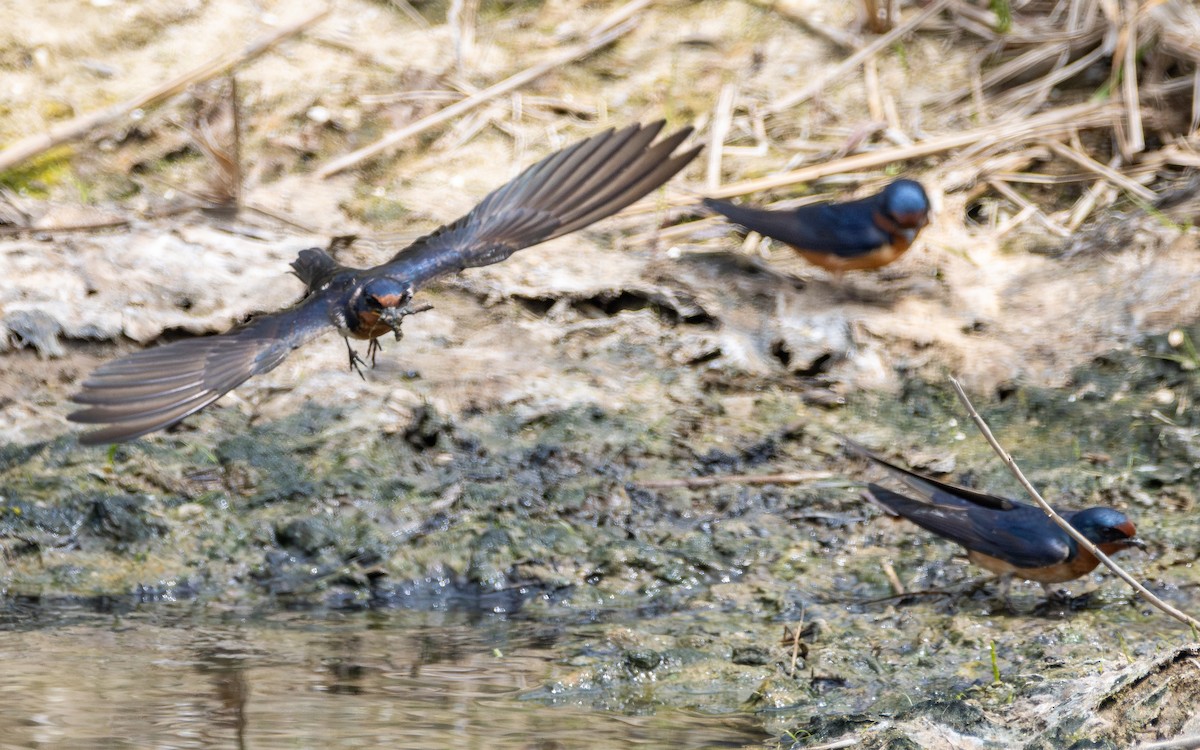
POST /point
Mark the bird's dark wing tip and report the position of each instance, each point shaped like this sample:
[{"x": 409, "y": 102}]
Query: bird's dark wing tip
[
  {"x": 876, "y": 494},
  {"x": 855, "y": 448}
]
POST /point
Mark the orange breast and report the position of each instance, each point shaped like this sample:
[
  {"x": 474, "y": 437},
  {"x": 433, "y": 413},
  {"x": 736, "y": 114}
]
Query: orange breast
[
  {"x": 874, "y": 259},
  {"x": 369, "y": 326},
  {"x": 1083, "y": 564}
]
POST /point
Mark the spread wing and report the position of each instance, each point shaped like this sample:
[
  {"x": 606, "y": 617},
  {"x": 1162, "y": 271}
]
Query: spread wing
[
  {"x": 843, "y": 229},
  {"x": 157, "y": 387},
  {"x": 566, "y": 191},
  {"x": 940, "y": 493},
  {"x": 1023, "y": 536}
]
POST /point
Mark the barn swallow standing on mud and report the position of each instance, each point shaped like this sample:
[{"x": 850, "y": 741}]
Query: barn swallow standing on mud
[
  {"x": 851, "y": 236},
  {"x": 1004, "y": 536},
  {"x": 566, "y": 191}
]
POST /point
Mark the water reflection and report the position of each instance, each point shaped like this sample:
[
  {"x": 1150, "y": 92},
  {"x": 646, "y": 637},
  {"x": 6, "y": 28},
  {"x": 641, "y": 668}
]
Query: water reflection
[{"x": 410, "y": 680}]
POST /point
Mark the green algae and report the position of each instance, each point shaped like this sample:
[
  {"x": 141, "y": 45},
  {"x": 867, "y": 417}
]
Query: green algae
[
  {"x": 546, "y": 515},
  {"x": 36, "y": 176}
]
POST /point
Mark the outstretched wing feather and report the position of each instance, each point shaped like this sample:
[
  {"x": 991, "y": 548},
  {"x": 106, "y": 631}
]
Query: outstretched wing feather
[
  {"x": 153, "y": 389},
  {"x": 566, "y": 191}
]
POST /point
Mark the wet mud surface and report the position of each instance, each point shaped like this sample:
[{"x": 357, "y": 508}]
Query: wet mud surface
[
  {"x": 503, "y": 468},
  {"x": 680, "y": 598}
]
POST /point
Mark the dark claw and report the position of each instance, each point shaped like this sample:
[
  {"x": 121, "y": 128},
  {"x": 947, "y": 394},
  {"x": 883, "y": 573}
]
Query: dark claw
[{"x": 356, "y": 362}]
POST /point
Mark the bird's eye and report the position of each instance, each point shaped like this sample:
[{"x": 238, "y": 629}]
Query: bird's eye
[{"x": 373, "y": 303}]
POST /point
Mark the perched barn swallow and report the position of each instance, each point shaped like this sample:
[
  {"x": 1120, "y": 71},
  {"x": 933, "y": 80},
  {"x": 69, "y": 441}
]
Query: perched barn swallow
[
  {"x": 566, "y": 191},
  {"x": 851, "y": 236},
  {"x": 1004, "y": 536}
]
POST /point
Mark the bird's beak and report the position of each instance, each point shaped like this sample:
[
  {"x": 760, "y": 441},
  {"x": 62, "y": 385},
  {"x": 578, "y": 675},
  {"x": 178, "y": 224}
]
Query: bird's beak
[
  {"x": 1133, "y": 541},
  {"x": 392, "y": 317},
  {"x": 913, "y": 222}
]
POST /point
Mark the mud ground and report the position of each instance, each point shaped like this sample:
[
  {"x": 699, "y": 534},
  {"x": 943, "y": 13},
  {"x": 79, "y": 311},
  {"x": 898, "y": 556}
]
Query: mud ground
[{"x": 499, "y": 456}]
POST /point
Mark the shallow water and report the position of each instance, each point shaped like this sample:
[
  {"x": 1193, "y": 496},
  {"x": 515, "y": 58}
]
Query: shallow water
[{"x": 173, "y": 677}]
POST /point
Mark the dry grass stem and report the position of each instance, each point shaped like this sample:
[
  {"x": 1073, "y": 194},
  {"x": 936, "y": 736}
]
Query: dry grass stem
[
  {"x": 614, "y": 27},
  {"x": 1016, "y": 221},
  {"x": 721, "y": 120},
  {"x": 216, "y": 131},
  {"x": 1085, "y": 205},
  {"x": 836, "y": 744},
  {"x": 796, "y": 642},
  {"x": 871, "y": 82},
  {"x": 850, "y": 63},
  {"x": 799, "y": 477},
  {"x": 1179, "y": 743},
  {"x": 1027, "y": 207},
  {"x": 893, "y": 579},
  {"x": 461, "y": 19},
  {"x": 1033, "y": 95},
  {"x": 90, "y": 227},
  {"x": 837, "y": 36},
  {"x": 1046, "y": 124},
  {"x": 1108, "y": 173},
  {"x": 1055, "y": 123},
  {"x": 1134, "y": 141},
  {"x": 78, "y": 127},
  {"x": 1058, "y": 520},
  {"x": 408, "y": 10}
]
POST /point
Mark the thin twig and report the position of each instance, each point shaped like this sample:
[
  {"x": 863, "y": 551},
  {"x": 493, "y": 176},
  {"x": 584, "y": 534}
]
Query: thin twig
[
  {"x": 836, "y": 744},
  {"x": 95, "y": 226},
  {"x": 853, "y": 61},
  {"x": 33, "y": 145},
  {"x": 905, "y": 595},
  {"x": 796, "y": 641},
  {"x": 800, "y": 477},
  {"x": 616, "y": 26},
  {"x": 1179, "y": 743},
  {"x": 1058, "y": 520},
  {"x": 844, "y": 39}
]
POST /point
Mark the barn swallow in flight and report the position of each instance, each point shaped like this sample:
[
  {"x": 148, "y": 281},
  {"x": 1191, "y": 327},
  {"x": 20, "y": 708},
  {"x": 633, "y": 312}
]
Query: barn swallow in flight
[
  {"x": 566, "y": 191},
  {"x": 1004, "y": 536},
  {"x": 851, "y": 236}
]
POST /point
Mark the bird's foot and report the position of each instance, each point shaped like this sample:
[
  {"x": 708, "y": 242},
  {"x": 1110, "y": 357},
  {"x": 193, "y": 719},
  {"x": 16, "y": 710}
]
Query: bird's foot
[
  {"x": 357, "y": 362},
  {"x": 373, "y": 349},
  {"x": 1060, "y": 601},
  {"x": 1056, "y": 594}
]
